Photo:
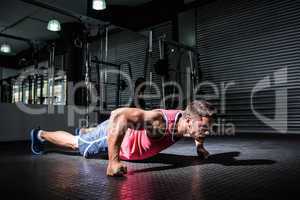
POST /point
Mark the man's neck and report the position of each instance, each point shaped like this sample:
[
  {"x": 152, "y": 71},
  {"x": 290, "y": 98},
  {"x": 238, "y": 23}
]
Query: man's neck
[{"x": 177, "y": 125}]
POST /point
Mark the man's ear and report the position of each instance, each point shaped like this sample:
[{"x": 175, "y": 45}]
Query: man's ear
[
  {"x": 188, "y": 118},
  {"x": 200, "y": 118},
  {"x": 188, "y": 121}
]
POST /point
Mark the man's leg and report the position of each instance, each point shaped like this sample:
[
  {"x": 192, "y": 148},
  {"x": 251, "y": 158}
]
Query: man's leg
[
  {"x": 89, "y": 141},
  {"x": 60, "y": 138}
]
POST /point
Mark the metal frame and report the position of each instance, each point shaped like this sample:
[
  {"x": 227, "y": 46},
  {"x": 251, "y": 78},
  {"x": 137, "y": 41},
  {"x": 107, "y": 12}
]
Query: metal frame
[
  {"x": 119, "y": 66},
  {"x": 118, "y": 79}
]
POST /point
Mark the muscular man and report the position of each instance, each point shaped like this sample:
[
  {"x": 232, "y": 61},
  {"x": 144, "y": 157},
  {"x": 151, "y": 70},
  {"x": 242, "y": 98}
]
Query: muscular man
[{"x": 134, "y": 134}]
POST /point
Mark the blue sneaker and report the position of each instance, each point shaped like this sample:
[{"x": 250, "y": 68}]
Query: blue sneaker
[
  {"x": 37, "y": 146},
  {"x": 77, "y": 131}
]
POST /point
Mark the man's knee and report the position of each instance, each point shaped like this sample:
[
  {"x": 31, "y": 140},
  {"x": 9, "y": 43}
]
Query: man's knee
[{"x": 86, "y": 130}]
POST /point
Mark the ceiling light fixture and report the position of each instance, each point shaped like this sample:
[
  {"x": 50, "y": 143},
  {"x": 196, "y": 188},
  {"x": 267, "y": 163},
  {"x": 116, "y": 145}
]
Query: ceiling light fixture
[
  {"x": 5, "y": 48},
  {"x": 99, "y": 4},
  {"x": 54, "y": 25}
]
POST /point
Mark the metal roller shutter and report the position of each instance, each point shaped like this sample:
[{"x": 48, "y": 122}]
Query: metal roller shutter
[{"x": 256, "y": 44}]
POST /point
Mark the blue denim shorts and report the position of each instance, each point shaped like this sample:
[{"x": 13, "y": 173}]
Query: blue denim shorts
[{"x": 94, "y": 142}]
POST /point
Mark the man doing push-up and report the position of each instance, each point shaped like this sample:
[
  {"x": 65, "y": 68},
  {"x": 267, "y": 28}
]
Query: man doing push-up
[{"x": 134, "y": 134}]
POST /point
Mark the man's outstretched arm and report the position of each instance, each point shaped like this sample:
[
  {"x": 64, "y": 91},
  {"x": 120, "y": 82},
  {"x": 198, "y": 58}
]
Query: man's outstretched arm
[{"x": 120, "y": 120}]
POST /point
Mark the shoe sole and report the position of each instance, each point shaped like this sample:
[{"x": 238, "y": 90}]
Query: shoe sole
[{"x": 32, "y": 139}]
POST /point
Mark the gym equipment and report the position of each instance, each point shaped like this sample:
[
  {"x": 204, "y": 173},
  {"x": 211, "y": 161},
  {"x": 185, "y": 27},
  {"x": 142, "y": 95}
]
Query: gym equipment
[
  {"x": 148, "y": 57},
  {"x": 121, "y": 84},
  {"x": 51, "y": 71},
  {"x": 161, "y": 67},
  {"x": 148, "y": 60},
  {"x": 87, "y": 80},
  {"x": 30, "y": 89},
  {"x": 6, "y": 90},
  {"x": 41, "y": 76}
]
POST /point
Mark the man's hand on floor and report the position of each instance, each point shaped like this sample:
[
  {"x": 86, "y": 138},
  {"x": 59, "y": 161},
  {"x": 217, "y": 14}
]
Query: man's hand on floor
[
  {"x": 202, "y": 153},
  {"x": 116, "y": 168}
]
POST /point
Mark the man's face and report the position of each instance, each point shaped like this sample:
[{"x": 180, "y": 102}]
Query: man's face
[{"x": 198, "y": 127}]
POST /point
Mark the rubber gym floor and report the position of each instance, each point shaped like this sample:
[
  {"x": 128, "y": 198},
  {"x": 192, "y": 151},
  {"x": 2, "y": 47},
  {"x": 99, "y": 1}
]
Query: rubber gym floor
[{"x": 240, "y": 167}]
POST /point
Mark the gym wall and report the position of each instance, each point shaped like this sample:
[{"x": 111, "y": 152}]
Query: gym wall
[
  {"x": 246, "y": 41},
  {"x": 16, "y": 124}
]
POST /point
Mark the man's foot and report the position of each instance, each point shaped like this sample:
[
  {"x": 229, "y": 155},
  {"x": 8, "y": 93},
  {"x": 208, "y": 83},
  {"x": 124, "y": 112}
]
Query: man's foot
[
  {"x": 37, "y": 146},
  {"x": 77, "y": 131}
]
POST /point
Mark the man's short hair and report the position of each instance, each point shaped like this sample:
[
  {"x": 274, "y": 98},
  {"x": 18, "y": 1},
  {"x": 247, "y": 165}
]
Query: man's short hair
[{"x": 200, "y": 108}]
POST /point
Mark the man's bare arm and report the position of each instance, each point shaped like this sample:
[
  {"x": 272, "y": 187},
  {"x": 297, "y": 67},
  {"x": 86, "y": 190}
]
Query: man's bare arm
[{"x": 120, "y": 120}]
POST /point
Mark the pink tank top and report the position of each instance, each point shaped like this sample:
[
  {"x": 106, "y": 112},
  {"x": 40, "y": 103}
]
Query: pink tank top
[{"x": 137, "y": 145}]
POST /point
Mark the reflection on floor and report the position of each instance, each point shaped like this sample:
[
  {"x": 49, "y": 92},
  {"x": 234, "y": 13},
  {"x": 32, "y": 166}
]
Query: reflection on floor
[{"x": 240, "y": 167}]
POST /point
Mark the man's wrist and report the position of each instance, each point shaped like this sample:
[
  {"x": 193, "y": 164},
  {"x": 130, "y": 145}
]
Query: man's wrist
[{"x": 202, "y": 152}]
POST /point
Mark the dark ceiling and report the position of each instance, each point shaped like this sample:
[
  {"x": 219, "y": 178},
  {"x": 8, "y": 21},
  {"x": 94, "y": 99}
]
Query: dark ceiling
[{"x": 27, "y": 22}]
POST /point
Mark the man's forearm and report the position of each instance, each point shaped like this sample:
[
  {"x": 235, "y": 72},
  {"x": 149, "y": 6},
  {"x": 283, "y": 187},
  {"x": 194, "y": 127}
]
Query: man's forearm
[
  {"x": 116, "y": 132},
  {"x": 117, "y": 129},
  {"x": 199, "y": 142},
  {"x": 114, "y": 144}
]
